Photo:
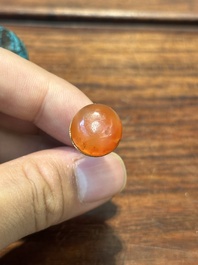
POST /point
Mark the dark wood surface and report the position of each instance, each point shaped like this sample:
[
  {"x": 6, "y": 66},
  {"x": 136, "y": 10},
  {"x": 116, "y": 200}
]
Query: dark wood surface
[
  {"x": 111, "y": 10},
  {"x": 149, "y": 75},
  {"x": 177, "y": 6}
]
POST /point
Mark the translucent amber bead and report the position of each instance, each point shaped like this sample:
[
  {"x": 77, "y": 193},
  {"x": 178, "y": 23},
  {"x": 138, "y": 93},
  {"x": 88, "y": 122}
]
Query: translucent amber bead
[{"x": 96, "y": 130}]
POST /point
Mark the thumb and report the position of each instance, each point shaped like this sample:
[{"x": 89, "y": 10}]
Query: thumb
[{"x": 48, "y": 187}]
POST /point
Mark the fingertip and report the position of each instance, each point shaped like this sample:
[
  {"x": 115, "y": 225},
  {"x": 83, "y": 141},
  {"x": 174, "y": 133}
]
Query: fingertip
[{"x": 99, "y": 178}]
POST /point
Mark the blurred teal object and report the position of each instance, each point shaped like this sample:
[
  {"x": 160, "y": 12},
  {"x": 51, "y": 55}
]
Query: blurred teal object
[{"x": 11, "y": 42}]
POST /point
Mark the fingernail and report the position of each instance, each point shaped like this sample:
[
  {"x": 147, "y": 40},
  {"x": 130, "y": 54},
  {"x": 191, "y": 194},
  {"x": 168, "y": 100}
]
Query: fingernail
[{"x": 99, "y": 178}]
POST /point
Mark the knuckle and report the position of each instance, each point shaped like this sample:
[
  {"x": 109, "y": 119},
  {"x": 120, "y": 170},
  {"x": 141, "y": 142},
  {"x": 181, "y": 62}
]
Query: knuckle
[{"x": 46, "y": 192}]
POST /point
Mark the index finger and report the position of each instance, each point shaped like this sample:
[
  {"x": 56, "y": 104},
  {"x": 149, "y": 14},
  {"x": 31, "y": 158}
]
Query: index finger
[{"x": 31, "y": 93}]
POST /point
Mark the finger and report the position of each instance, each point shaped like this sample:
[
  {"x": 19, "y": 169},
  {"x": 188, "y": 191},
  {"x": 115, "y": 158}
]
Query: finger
[
  {"x": 30, "y": 93},
  {"x": 48, "y": 187},
  {"x": 14, "y": 145},
  {"x": 17, "y": 125}
]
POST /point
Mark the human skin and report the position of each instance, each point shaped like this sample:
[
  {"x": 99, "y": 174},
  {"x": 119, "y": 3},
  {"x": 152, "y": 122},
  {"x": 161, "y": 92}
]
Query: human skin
[{"x": 43, "y": 179}]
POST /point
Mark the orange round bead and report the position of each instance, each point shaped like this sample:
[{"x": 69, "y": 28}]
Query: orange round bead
[{"x": 96, "y": 130}]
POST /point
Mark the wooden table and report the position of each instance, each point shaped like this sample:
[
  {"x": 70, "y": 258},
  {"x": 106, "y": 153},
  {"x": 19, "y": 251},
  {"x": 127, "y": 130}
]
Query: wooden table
[{"x": 140, "y": 57}]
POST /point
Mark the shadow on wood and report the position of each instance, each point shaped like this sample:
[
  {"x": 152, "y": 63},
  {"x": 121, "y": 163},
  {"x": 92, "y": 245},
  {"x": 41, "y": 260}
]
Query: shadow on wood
[{"x": 84, "y": 240}]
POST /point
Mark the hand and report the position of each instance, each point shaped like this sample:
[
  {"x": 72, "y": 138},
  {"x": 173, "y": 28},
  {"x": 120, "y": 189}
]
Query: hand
[{"x": 45, "y": 181}]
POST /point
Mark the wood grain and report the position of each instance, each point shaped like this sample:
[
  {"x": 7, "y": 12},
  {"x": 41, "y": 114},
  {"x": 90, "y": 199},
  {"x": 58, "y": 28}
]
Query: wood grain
[
  {"x": 154, "y": 10},
  {"x": 149, "y": 75}
]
